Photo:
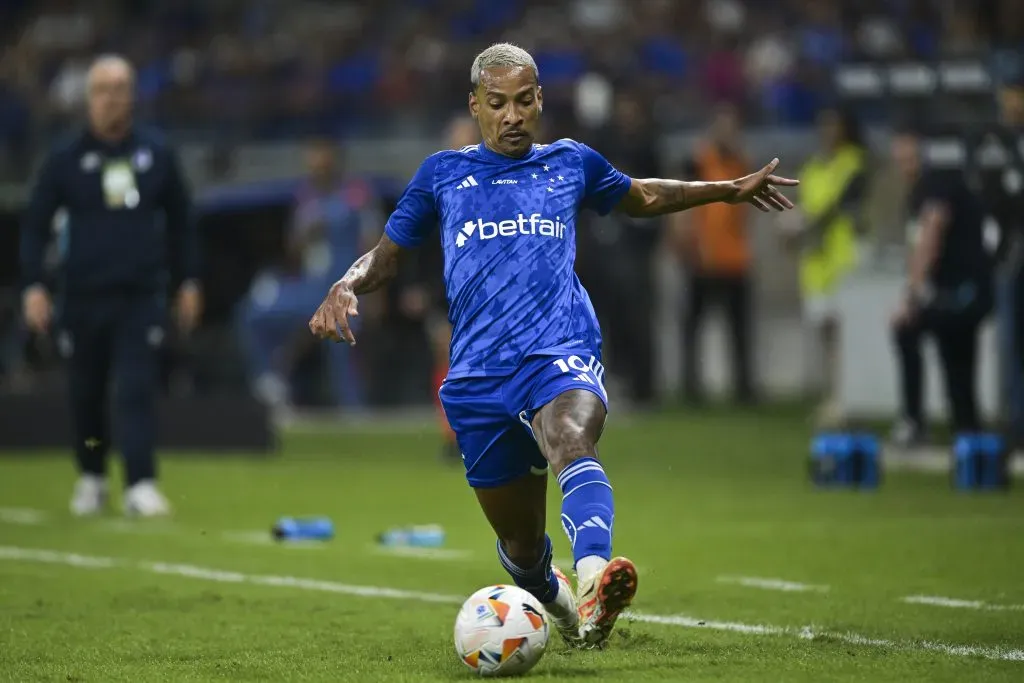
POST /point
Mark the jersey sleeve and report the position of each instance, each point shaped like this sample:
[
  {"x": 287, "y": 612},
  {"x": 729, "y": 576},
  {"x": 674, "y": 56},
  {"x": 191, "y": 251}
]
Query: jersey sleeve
[
  {"x": 604, "y": 185},
  {"x": 416, "y": 213}
]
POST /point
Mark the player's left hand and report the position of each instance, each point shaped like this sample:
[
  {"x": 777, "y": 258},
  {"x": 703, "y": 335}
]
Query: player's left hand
[
  {"x": 331, "y": 318},
  {"x": 189, "y": 306},
  {"x": 760, "y": 189}
]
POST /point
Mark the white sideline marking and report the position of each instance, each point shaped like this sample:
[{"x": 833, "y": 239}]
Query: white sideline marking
[
  {"x": 208, "y": 574},
  {"x": 442, "y": 554},
  {"x": 26, "y": 516},
  {"x": 54, "y": 557},
  {"x": 771, "y": 584},
  {"x": 939, "y": 601}
]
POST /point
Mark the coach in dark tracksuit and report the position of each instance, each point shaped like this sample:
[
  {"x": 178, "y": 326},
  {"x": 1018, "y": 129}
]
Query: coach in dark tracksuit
[
  {"x": 949, "y": 289},
  {"x": 128, "y": 239}
]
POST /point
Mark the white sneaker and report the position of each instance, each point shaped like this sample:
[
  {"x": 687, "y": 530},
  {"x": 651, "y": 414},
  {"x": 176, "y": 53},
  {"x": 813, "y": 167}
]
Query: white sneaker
[
  {"x": 90, "y": 496},
  {"x": 563, "y": 612},
  {"x": 145, "y": 500}
]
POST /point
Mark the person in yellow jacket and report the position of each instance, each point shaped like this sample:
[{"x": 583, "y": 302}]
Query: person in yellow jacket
[{"x": 832, "y": 190}]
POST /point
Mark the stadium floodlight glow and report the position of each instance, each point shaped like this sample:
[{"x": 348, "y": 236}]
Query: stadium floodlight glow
[
  {"x": 945, "y": 152},
  {"x": 965, "y": 77},
  {"x": 912, "y": 79},
  {"x": 859, "y": 80}
]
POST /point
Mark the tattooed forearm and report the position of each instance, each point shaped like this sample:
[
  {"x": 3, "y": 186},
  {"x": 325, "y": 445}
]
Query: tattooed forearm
[
  {"x": 374, "y": 269},
  {"x": 658, "y": 196}
]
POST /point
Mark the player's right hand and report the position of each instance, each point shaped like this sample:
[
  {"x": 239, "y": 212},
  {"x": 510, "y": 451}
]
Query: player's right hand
[
  {"x": 331, "y": 319},
  {"x": 37, "y": 308}
]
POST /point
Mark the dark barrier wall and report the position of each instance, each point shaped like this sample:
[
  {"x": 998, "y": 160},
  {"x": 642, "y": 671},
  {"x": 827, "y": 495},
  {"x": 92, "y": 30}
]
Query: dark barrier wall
[{"x": 209, "y": 425}]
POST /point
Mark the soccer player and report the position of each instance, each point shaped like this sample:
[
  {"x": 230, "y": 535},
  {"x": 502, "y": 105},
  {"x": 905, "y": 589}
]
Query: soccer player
[
  {"x": 128, "y": 237},
  {"x": 524, "y": 391}
]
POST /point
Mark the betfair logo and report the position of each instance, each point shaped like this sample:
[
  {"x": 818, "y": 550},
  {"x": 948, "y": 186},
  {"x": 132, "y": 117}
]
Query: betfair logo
[{"x": 520, "y": 226}]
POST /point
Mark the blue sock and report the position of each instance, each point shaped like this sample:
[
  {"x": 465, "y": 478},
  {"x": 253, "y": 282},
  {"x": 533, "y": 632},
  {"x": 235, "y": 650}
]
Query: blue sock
[
  {"x": 538, "y": 580},
  {"x": 587, "y": 508}
]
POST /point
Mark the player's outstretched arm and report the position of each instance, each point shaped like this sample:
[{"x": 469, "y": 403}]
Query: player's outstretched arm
[
  {"x": 657, "y": 196},
  {"x": 371, "y": 271}
]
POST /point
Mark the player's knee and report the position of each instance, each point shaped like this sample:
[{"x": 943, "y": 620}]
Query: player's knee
[{"x": 566, "y": 440}]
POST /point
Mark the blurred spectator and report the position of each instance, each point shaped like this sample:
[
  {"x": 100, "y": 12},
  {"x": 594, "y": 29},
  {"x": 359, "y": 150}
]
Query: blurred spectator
[
  {"x": 949, "y": 290},
  {"x": 270, "y": 68},
  {"x": 1004, "y": 194},
  {"x": 334, "y": 223},
  {"x": 832, "y": 187},
  {"x": 713, "y": 245},
  {"x": 617, "y": 266},
  {"x": 462, "y": 132}
]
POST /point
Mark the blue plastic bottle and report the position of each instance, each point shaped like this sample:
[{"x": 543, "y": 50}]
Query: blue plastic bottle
[
  {"x": 421, "y": 536},
  {"x": 868, "y": 452},
  {"x": 966, "y": 459},
  {"x": 824, "y": 463},
  {"x": 994, "y": 473},
  {"x": 312, "y": 529}
]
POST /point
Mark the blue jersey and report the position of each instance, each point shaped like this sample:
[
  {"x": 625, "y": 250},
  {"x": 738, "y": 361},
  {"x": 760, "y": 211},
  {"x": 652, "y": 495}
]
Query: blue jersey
[{"x": 508, "y": 232}]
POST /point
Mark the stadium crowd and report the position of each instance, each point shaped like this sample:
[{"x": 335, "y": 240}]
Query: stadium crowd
[
  {"x": 280, "y": 67},
  {"x": 617, "y": 72}
]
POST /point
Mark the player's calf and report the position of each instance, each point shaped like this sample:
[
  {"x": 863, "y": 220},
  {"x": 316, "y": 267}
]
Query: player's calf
[
  {"x": 568, "y": 429},
  {"x": 544, "y": 582}
]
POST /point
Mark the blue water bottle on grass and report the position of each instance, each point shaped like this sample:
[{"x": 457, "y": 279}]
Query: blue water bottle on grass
[
  {"x": 980, "y": 461},
  {"x": 845, "y": 459},
  {"x": 311, "y": 529},
  {"x": 831, "y": 459},
  {"x": 419, "y": 536}
]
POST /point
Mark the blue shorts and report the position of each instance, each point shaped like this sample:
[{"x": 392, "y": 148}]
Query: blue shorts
[{"x": 491, "y": 416}]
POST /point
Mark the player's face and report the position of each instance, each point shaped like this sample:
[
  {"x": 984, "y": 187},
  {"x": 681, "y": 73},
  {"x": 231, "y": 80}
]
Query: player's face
[
  {"x": 506, "y": 106},
  {"x": 109, "y": 95}
]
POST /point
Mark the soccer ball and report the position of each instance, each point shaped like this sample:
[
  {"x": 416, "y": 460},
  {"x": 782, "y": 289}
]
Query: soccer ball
[{"x": 501, "y": 631}]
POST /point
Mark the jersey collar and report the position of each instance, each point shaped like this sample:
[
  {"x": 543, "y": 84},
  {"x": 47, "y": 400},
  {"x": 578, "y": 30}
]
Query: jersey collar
[{"x": 487, "y": 153}]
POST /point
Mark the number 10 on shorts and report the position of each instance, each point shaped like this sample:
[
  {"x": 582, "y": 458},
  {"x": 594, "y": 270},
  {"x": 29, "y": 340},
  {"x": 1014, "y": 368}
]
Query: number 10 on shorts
[{"x": 591, "y": 372}]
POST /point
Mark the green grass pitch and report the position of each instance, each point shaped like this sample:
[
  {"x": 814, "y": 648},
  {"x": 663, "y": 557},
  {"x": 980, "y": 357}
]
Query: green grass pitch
[{"x": 709, "y": 505}]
